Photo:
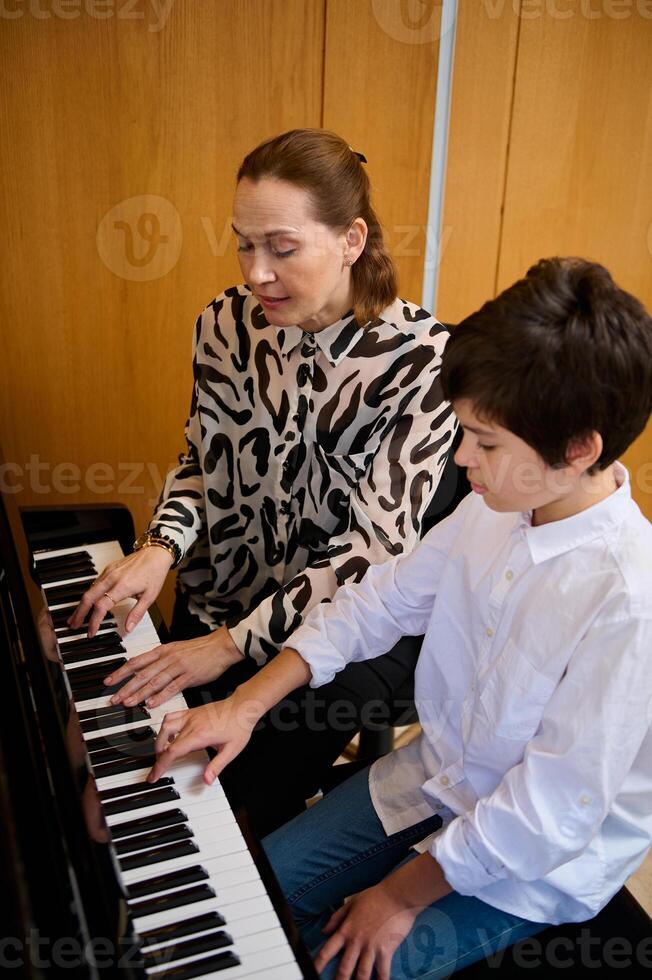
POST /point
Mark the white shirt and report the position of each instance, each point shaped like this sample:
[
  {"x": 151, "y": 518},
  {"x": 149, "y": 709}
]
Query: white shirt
[{"x": 534, "y": 693}]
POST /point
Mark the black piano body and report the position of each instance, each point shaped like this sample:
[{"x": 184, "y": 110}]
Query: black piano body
[{"x": 68, "y": 914}]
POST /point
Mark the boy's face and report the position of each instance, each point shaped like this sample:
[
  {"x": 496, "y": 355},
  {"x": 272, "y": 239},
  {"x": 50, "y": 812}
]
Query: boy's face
[{"x": 505, "y": 470}]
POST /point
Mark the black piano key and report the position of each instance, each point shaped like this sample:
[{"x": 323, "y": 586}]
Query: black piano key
[
  {"x": 87, "y": 714},
  {"x": 72, "y": 556},
  {"x": 91, "y": 690},
  {"x": 91, "y": 643},
  {"x": 96, "y": 645},
  {"x": 162, "y": 883},
  {"x": 118, "y": 752},
  {"x": 189, "y": 947},
  {"x": 80, "y": 570},
  {"x": 125, "y": 804},
  {"x": 157, "y": 854},
  {"x": 173, "y": 900},
  {"x": 58, "y": 594},
  {"x": 174, "y": 930},
  {"x": 127, "y": 764},
  {"x": 60, "y": 617},
  {"x": 164, "y": 835},
  {"x": 198, "y": 968},
  {"x": 133, "y": 789},
  {"x": 81, "y": 657},
  {"x": 130, "y": 739},
  {"x": 111, "y": 717},
  {"x": 68, "y": 632},
  {"x": 165, "y": 819},
  {"x": 84, "y": 672}
]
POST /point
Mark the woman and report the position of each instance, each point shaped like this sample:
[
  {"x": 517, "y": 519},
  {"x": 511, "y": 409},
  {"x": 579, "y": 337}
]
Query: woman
[{"x": 316, "y": 425}]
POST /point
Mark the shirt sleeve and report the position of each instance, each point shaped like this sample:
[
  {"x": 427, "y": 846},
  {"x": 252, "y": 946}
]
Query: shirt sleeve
[
  {"x": 386, "y": 507},
  {"x": 366, "y": 619},
  {"x": 180, "y": 508},
  {"x": 546, "y": 810}
]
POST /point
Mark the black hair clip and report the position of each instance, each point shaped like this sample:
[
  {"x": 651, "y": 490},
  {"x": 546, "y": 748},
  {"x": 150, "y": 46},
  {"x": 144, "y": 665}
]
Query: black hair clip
[{"x": 361, "y": 157}]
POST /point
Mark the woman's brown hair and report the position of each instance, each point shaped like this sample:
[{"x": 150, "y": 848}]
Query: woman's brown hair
[{"x": 325, "y": 165}]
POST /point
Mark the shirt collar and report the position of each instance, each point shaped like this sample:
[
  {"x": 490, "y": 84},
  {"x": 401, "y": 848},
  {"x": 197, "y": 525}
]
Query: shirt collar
[
  {"x": 335, "y": 341},
  {"x": 555, "y": 538}
]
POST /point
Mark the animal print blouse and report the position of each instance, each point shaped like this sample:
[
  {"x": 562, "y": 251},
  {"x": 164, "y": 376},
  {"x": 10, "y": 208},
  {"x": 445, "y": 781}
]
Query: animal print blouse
[{"x": 309, "y": 457}]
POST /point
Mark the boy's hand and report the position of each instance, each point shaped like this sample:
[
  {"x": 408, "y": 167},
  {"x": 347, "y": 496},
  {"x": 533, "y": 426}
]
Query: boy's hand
[
  {"x": 164, "y": 671},
  {"x": 367, "y": 931},
  {"x": 372, "y": 925},
  {"x": 224, "y": 725}
]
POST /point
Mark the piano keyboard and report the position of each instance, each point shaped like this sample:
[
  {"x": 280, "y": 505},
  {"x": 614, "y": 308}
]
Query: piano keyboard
[{"x": 198, "y": 904}]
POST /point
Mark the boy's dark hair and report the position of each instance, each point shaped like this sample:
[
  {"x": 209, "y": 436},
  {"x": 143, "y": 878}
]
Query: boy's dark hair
[{"x": 561, "y": 353}]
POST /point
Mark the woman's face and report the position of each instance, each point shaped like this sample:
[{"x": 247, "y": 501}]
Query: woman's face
[{"x": 295, "y": 266}]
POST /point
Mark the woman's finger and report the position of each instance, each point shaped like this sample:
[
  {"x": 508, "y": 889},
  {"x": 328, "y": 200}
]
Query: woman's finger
[
  {"x": 139, "y": 610},
  {"x": 135, "y": 663},
  {"x": 105, "y": 603},
  {"x": 151, "y": 682},
  {"x": 170, "y": 691}
]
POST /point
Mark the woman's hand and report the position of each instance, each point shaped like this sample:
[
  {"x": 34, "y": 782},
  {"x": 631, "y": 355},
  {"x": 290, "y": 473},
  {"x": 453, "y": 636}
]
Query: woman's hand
[
  {"x": 367, "y": 930},
  {"x": 140, "y": 575},
  {"x": 164, "y": 671},
  {"x": 223, "y": 725}
]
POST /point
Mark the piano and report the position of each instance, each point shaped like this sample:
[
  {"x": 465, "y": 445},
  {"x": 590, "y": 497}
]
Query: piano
[{"x": 106, "y": 874}]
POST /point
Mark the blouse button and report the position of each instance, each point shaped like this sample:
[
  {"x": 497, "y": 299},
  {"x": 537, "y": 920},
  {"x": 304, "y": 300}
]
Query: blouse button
[
  {"x": 490, "y": 632},
  {"x": 585, "y": 800},
  {"x": 444, "y": 780},
  {"x": 509, "y": 575}
]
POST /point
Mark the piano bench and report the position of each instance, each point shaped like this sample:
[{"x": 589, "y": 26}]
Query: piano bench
[{"x": 618, "y": 938}]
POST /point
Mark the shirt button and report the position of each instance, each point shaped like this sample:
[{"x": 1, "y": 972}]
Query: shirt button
[
  {"x": 585, "y": 800},
  {"x": 444, "y": 780},
  {"x": 509, "y": 575},
  {"x": 490, "y": 632}
]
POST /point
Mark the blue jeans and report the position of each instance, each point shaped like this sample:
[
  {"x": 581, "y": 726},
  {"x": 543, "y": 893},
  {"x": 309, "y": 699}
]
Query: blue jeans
[{"x": 338, "y": 847}]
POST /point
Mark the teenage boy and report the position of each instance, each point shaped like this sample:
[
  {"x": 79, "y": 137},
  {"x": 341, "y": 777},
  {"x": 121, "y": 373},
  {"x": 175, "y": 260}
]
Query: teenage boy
[{"x": 527, "y": 799}]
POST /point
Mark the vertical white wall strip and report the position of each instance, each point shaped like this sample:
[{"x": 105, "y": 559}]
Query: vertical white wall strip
[{"x": 439, "y": 152}]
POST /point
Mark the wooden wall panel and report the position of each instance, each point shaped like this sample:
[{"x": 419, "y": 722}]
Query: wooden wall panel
[
  {"x": 96, "y": 328},
  {"x": 580, "y": 161},
  {"x": 379, "y": 93},
  {"x": 483, "y": 83}
]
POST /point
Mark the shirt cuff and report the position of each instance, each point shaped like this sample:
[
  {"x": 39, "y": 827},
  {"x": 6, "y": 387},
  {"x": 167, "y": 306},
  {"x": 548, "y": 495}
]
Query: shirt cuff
[
  {"x": 175, "y": 534},
  {"x": 466, "y": 871},
  {"x": 240, "y": 633}
]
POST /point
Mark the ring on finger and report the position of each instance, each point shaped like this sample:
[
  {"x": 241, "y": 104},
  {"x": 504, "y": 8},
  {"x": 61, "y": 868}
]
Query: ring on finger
[{"x": 109, "y": 596}]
